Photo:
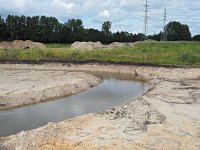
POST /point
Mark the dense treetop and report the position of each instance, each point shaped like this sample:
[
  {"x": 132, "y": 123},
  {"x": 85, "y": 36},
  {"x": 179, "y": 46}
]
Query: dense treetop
[{"x": 50, "y": 30}]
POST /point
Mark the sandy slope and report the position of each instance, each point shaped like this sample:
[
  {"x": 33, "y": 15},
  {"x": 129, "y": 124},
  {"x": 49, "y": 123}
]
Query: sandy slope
[
  {"x": 167, "y": 117},
  {"x": 23, "y": 87}
]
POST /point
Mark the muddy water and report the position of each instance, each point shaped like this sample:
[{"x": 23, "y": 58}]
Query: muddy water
[{"x": 112, "y": 92}]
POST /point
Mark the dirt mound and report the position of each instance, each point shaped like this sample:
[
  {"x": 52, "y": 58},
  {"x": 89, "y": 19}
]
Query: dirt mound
[
  {"x": 18, "y": 44},
  {"x": 130, "y": 44},
  {"x": 116, "y": 45},
  {"x": 119, "y": 45},
  {"x": 146, "y": 41},
  {"x": 87, "y": 45},
  {"x": 99, "y": 45},
  {"x": 5, "y": 45}
]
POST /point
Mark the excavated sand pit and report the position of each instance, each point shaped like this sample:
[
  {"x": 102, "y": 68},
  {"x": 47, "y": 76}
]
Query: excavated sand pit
[{"x": 166, "y": 117}]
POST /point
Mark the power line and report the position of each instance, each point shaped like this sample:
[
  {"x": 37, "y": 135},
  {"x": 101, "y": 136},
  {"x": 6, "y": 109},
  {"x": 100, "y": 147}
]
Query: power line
[
  {"x": 164, "y": 34},
  {"x": 146, "y": 6}
]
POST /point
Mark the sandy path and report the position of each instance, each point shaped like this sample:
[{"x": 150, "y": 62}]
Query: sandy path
[
  {"x": 166, "y": 117},
  {"x": 23, "y": 87}
]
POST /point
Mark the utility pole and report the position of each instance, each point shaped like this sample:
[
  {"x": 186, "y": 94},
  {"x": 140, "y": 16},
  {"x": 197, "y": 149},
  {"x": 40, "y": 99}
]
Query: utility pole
[
  {"x": 164, "y": 34},
  {"x": 146, "y": 6}
]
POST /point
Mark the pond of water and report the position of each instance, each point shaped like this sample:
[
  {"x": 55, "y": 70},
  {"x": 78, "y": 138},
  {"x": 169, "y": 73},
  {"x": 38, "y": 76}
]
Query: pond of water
[{"x": 110, "y": 93}]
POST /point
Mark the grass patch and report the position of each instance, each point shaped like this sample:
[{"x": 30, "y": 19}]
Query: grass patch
[
  {"x": 189, "y": 57},
  {"x": 158, "y": 53},
  {"x": 57, "y": 45}
]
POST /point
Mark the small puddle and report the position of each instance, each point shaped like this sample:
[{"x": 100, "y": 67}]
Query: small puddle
[{"x": 112, "y": 92}]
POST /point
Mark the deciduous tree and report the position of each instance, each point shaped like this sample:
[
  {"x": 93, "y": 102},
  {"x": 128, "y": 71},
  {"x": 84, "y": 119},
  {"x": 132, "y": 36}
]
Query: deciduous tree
[{"x": 177, "y": 31}]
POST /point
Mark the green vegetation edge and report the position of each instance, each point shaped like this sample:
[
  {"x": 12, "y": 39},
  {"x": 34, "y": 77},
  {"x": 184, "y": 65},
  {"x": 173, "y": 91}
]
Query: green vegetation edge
[{"x": 155, "y": 53}]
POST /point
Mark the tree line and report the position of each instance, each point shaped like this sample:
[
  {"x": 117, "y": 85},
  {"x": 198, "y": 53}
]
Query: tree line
[{"x": 50, "y": 30}]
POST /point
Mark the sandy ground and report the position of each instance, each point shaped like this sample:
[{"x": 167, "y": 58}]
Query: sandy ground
[
  {"x": 166, "y": 117},
  {"x": 23, "y": 87}
]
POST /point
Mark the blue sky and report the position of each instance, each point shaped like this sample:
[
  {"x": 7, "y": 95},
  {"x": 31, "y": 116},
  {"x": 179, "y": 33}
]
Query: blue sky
[{"x": 126, "y": 15}]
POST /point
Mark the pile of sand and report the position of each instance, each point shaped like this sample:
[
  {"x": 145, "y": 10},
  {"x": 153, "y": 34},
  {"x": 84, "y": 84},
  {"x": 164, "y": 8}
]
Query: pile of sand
[
  {"x": 18, "y": 44},
  {"x": 129, "y": 44},
  {"x": 88, "y": 45},
  {"x": 120, "y": 44},
  {"x": 116, "y": 45},
  {"x": 146, "y": 41},
  {"x": 99, "y": 45},
  {"x": 5, "y": 45}
]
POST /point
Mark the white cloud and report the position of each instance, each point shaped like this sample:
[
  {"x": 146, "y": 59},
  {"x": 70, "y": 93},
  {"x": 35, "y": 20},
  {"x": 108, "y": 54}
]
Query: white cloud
[
  {"x": 64, "y": 9},
  {"x": 125, "y": 14},
  {"x": 105, "y": 14}
]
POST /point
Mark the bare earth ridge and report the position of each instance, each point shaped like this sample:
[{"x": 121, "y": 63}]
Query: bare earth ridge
[
  {"x": 166, "y": 117},
  {"x": 24, "y": 87}
]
